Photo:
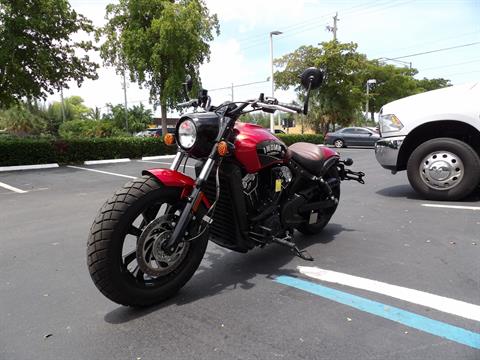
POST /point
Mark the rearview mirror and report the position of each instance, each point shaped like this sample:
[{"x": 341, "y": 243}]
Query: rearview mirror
[{"x": 311, "y": 78}]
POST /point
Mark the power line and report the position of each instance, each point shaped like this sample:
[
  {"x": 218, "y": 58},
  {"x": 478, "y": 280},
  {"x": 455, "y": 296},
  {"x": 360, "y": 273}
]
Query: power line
[
  {"x": 239, "y": 85},
  {"x": 306, "y": 26},
  {"x": 436, "y": 50},
  {"x": 450, "y": 65}
]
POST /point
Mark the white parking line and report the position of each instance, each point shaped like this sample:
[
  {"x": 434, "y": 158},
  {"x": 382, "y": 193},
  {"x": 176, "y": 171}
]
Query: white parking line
[
  {"x": 473, "y": 208},
  {"x": 11, "y": 188},
  {"x": 109, "y": 161},
  {"x": 444, "y": 304},
  {"x": 102, "y": 172},
  {"x": 158, "y": 157},
  {"x": 163, "y": 163}
]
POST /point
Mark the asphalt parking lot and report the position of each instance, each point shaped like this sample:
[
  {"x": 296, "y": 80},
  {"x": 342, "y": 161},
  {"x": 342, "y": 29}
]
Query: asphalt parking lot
[{"x": 247, "y": 306}]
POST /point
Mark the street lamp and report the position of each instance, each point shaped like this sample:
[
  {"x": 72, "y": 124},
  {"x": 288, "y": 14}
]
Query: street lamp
[
  {"x": 272, "y": 124},
  {"x": 369, "y": 81}
]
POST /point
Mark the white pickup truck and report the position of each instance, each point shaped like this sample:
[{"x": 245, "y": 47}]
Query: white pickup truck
[{"x": 435, "y": 136}]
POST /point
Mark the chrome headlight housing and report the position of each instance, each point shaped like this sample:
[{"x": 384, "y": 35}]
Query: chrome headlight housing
[
  {"x": 187, "y": 134},
  {"x": 389, "y": 123}
]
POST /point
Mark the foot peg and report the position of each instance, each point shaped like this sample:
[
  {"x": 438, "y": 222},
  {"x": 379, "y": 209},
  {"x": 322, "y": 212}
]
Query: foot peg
[{"x": 302, "y": 254}]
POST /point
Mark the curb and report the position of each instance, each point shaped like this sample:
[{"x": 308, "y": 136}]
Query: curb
[
  {"x": 158, "y": 157},
  {"x": 28, "y": 167},
  {"x": 110, "y": 161}
]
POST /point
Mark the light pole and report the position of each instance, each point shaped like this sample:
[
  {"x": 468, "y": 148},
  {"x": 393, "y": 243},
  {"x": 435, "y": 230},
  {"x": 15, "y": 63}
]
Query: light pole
[
  {"x": 272, "y": 124},
  {"x": 369, "y": 81}
]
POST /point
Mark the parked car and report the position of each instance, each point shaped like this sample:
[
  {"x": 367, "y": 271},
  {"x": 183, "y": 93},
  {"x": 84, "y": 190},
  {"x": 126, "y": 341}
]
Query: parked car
[
  {"x": 352, "y": 136},
  {"x": 153, "y": 132},
  {"x": 435, "y": 136}
]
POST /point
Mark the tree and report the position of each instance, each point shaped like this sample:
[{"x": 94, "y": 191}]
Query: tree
[
  {"x": 158, "y": 42},
  {"x": 394, "y": 83},
  {"x": 38, "y": 53},
  {"x": 432, "y": 84},
  {"x": 73, "y": 108},
  {"x": 18, "y": 120},
  {"x": 138, "y": 117},
  {"x": 341, "y": 93}
]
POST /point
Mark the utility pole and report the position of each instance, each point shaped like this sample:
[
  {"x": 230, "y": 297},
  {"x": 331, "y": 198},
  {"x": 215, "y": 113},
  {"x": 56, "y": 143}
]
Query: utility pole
[
  {"x": 232, "y": 92},
  {"x": 63, "y": 104},
  {"x": 125, "y": 97},
  {"x": 276, "y": 32},
  {"x": 334, "y": 28}
]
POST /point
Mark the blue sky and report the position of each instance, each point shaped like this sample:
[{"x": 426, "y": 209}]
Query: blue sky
[{"x": 241, "y": 54}]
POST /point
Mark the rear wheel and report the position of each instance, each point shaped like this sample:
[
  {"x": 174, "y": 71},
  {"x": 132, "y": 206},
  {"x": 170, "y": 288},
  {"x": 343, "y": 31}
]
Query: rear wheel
[
  {"x": 125, "y": 256},
  {"x": 324, "y": 215},
  {"x": 444, "y": 169}
]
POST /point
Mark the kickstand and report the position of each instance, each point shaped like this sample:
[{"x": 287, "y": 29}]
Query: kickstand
[{"x": 302, "y": 254}]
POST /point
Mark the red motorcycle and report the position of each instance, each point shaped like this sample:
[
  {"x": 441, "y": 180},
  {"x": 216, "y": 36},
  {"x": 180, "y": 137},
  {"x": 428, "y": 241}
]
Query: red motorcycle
[{"x": 250, "y": 190}]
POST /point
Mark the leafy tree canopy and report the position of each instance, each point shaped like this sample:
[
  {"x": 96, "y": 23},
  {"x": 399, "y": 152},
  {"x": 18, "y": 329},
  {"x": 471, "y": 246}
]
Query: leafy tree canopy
[
  {"x": 343, "y": 92},
  {"x": 38, "y": 52},
  {"x": 158, "y": 42},
  {"x": 139, "y": 118},
  {"x": 340, "y": 96}
]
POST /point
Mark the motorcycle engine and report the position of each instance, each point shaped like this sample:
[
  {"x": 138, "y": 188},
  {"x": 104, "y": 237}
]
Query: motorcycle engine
[{"x": 261, "y": 190}]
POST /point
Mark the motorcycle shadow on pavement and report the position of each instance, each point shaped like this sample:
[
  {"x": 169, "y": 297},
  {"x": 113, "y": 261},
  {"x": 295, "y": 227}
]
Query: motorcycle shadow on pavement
[{"x": 223, "y": 270}]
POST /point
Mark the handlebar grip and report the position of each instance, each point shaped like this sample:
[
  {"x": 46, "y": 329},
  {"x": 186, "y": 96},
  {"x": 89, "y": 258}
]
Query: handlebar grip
[
  {"x": 188, "y": 103},
  {"x": 296, "y": 108}
]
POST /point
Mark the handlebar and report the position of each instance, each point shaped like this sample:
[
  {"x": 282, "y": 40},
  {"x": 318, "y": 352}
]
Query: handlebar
[
  {"x": 188, "y": 103},
  {"x": 261, "y": 103}
]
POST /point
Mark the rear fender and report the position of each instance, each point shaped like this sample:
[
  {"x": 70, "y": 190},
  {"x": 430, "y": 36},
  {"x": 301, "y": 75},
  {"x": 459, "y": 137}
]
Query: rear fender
[{"x": 173, "y": 178}]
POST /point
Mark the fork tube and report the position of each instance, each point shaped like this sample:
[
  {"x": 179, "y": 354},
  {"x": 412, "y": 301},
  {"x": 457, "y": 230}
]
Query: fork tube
[{"x": 177, "y": 160}]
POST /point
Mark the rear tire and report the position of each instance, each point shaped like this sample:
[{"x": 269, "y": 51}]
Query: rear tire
[
  {"x": 444, "y": 169},
  {"x": 324, "y": 215},
  {"x": 115, "y": 271}
]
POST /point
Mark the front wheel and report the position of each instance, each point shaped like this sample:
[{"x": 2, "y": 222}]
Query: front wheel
[
  {"x": 444, "y": 169},
  {"x": 125, "y": 256}
]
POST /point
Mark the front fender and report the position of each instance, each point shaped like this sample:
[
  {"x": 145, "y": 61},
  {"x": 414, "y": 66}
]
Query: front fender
[{"x": 173, "y": 178}]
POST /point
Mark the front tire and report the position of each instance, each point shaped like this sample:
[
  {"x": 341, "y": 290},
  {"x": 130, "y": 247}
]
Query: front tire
[
  {"x": 444, "y": 169},
  {"x": 114, "y": 265}
]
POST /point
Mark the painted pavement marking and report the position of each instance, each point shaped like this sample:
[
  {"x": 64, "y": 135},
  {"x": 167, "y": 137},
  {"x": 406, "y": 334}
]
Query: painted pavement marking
[
  {"x": 458, "y": 207},
  {"x": 11, "y": 188},
  {"x": 102, "y": 172},
  {"x": 419, "y": 322},
  {"x": 440, "y": 303}
]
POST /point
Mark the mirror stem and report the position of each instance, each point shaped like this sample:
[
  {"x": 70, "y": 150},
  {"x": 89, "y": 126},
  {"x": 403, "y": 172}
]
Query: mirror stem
[{"x": 305, "y": 105}]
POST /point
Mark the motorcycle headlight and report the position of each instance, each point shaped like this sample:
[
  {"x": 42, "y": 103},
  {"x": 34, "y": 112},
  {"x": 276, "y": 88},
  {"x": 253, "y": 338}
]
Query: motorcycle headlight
[
  {"x": 187, "y": 134},
  {"x": 389, "y": 123}
]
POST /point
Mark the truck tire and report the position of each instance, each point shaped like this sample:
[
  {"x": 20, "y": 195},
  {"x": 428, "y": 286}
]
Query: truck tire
[{"x": 444, "y": 169}]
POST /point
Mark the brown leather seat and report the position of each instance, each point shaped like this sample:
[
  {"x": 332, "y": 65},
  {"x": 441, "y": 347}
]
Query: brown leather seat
[{"x": 310, "y": 156}]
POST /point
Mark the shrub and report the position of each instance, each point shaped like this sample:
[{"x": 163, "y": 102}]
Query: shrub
[
  {"x": 18, "y": 151},
  {"x": 24, "y": 151},
  {"x": 289, "y": 139}
]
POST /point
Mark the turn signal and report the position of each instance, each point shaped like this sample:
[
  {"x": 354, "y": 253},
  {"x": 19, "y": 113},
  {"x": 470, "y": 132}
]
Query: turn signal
[
  {"x": 222, "y": 148},
  {"x": 169, "y": 139}
]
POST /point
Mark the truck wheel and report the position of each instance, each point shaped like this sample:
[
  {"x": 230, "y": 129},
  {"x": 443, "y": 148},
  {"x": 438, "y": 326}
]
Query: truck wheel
[{"x": 444, "y": 169}]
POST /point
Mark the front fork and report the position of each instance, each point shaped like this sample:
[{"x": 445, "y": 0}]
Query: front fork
[{"x": 193, "y": 200}]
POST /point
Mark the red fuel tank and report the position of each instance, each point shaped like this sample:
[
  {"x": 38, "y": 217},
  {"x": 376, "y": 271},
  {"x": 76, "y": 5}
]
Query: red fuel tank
[{"x": 257, "y": 148}]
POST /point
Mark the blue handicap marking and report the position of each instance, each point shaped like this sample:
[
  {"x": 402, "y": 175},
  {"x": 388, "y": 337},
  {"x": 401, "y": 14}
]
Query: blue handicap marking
[{"x": 407, "y": 318}]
